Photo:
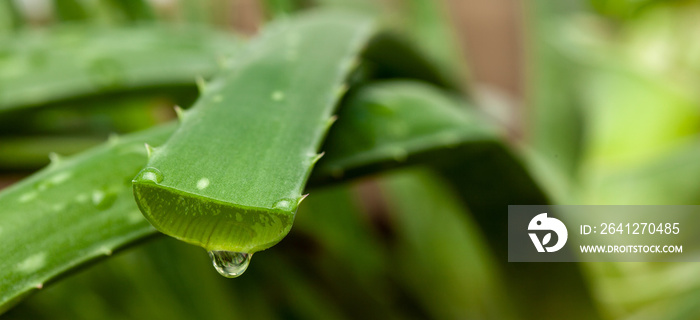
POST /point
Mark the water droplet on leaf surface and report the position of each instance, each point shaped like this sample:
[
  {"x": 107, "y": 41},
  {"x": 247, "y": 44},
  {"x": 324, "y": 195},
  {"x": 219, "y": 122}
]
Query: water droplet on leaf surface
[
  {"x": 230, "y": 264},
  {"x": 149, "y": 175}
]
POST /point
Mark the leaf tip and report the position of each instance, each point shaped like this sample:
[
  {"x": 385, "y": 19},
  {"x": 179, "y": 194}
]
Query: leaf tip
[
  {"x": 302, "y": 199},
  {"x": 331, "y": 121},
  {"x": 317, "y": 157},
  {"x": 149, "y": 149},
  {"x": 55, "y": 158},
  {"x": 179, "y": 112}
]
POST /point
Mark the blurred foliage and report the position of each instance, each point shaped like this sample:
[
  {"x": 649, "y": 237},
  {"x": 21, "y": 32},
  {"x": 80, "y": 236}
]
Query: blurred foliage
[{"x": 613, "y": 118}]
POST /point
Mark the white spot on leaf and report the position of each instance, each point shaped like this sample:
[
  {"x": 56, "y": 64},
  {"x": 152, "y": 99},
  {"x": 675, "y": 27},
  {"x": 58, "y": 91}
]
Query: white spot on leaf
[
  {"x": 60, "y": 178},
  {"x": 277, "y": 96},
  {"x": 27, "y": 196},
  {"x": 32, "y": 263},
  {"x": 202, "y": 183}
]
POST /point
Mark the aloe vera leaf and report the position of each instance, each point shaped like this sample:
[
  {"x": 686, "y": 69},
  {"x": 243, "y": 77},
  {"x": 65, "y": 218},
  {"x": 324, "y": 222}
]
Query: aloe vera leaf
[
  {"x": 33, "y": 64},
  {"x": 126, "y": 113},
  {"x": 239, "y": 194},
  {"x": 389, "y": 123},
  {"x": 91, "y": 191},
  {"x": 159, "y": 279}
]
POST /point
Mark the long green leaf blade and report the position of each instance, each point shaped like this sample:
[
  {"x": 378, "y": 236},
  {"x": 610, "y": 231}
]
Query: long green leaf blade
[
  {"x": 231, "y": 177},
  {"x": 390, "y": 123},
  {"x": 34, "y": 64},
  {"x": 71, "y": 212}
]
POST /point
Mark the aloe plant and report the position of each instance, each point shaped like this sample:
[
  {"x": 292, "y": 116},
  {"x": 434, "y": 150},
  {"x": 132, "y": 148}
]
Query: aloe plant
[
  {"x": 419, "y": 103},
  {"x": 229, "y": 176},
  {"x": 238, "y": 209}
]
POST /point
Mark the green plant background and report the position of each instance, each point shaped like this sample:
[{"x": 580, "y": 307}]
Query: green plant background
[{"x": 406, "y": 213}]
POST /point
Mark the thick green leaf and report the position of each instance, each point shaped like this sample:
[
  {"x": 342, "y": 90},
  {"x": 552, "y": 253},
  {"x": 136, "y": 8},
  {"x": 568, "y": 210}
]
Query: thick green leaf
[
  {"x": 34, "y": 64},
  {"x": 394, "y": 122},
  {"x": 73, "y": 211},
  {"x": 232, "y": 175}
]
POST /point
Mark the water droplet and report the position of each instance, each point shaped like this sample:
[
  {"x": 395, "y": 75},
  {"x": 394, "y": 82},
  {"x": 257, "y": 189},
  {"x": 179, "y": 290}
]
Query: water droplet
[
  {"x": 149, "y": 174},
  {"x": 230, "y": 264}
]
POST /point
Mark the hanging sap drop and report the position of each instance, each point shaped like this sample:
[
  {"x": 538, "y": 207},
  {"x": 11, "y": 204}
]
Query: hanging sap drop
[{"x": 230, "y": 264}]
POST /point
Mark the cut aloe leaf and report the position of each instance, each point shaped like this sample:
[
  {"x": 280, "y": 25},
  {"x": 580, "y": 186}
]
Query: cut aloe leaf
[
  {"x": 231, "y": 177},
  {"x": 34, "y": 64}
]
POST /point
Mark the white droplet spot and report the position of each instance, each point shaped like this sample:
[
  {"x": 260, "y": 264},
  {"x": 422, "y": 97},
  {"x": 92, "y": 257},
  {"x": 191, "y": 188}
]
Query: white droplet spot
[
  {"x": 32, "y": 263},
  {"x": 202, "y": 183},
  {"x": 277, "y": 96},
  {"x": 82, "y": 198},
  {"x": 27, "y": 196},
  {"x": 60, "y": 178},
  {"x": 97, "y": 196}
]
